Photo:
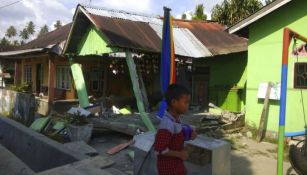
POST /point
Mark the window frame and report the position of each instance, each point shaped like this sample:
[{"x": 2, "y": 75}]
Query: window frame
[
  {"x": 27, "y": 74},
  {"x": 63, "y": 82},
  {"x": 296, "y": 66}
]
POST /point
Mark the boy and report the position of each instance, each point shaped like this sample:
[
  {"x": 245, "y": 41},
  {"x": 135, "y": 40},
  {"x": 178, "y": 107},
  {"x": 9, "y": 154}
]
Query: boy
[{"x": 169, "y": 142}]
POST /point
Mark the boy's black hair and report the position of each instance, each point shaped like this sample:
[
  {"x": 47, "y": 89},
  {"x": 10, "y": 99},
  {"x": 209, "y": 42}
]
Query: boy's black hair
[{"x": 175, "y": 92}]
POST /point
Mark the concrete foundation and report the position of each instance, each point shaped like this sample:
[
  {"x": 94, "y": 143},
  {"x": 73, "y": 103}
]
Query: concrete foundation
[{"x": 34, "y": 149}]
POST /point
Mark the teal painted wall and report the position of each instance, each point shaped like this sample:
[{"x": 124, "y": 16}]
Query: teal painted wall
[
  {"x": 226, "y": 71},
  {"x": 93, "y": 43},
  {"x": 264, "y": 64}
]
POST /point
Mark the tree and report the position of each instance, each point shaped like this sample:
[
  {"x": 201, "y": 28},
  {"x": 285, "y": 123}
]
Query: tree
[
  {"x": 43, "y": 30},
  {"x": 58, "y": 24},
  {"x": 5, "y": 42},
  {"x": 30, "y": 28},
  {"x": 184, "y": 16},
  {"x": 233, "y": 11},
  {"x": 16, "y": 43},
  {"x": 199, "y": 13},
  {"x": 24, "y": 34},
  {"x": 11, "y": 32}
]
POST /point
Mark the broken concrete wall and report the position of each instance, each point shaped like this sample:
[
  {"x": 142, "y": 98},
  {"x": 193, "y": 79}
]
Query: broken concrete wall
[
  {"x": 36, "y": 150},
  {"x": 17, "y": 105}
]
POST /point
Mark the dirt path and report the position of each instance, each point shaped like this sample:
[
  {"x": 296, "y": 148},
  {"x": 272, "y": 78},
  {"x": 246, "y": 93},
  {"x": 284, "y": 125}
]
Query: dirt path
[{"x": 252, "y": 158}]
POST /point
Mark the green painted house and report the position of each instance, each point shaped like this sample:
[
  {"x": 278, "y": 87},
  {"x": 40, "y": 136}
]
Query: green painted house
[
  {"x": 210, "y": 61},
  {"x": 264, "y": 31}
]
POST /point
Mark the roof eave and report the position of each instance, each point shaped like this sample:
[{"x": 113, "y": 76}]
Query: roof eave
[{"x": 256, "y": 16}]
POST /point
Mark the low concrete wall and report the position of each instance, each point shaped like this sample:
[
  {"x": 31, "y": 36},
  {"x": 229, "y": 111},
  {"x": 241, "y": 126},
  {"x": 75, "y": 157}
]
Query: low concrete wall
[
  {"x": 36, "y": 150},
  {"x": 17, "y": 105}
]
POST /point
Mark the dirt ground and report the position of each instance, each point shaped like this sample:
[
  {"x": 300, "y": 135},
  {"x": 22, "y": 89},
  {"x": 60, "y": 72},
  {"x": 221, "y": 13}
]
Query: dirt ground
[
  {"x": 253, "y": 158},
  {"x": 248, "y": 157}
]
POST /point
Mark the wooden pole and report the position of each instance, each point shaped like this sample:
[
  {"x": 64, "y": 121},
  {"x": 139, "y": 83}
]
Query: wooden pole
[
  {"x": 137, "y": 91},
  {"x": 17, "y": 76},
  {"x": 51, "y": 78},
  {"x": 264, "y": 113}
]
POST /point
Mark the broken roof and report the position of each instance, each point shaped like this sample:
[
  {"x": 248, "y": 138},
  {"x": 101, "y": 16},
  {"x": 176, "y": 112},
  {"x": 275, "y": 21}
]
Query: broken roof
[
  {"x": 242, "y": 25},
  {"x": 144, "y": 33},
  {"x": 52, "y": 41}
]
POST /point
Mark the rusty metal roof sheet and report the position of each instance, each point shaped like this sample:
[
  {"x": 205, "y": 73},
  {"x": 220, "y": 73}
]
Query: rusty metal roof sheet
[
  {"x": 192, "y": 38},
  {"x": 128, "y": 34},
  {"x": 99, "y": 11},
  {"x": 49, "y": 39},
  {"x": 214, "y": 37}
]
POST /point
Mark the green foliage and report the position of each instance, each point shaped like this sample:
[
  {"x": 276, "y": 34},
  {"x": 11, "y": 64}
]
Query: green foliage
[
  {"x": 58, "y": 24},
  {"x": 5, "y": 42},
  {"x": 30, "y": 28},
  {"x": 184, "y": 16},
  {"x": 199, "y": 13},
  {"x": 76, "y": 119},
  {"x": 43, "y": 30},
  {"x": 232, "y": 11},
  {"x": 11, "y": 32},
  {"x": 24, "y": 34},
  {"x": 24, "y": 87}
]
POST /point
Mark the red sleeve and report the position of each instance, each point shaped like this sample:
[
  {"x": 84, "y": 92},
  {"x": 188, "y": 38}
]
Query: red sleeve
[{"x": 162, "y": 141}]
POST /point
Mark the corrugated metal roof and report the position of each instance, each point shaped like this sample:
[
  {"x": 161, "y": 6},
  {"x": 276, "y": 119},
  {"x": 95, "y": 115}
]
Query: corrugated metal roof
[
  {"x": 49, "y": 39},
  {"x": 99, "y": 11},
  {"x": 214, "y": 37},
  {"x": 192, "y": 38},
  {"x": 186, "y": 44},
  {"x": 128, "y": 34}
]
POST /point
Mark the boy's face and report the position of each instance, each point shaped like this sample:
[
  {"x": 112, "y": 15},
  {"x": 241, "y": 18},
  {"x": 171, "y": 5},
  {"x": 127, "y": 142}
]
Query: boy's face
[{"x": 181, "y": 105}]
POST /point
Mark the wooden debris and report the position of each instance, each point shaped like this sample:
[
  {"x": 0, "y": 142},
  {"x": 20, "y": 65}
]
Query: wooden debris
[{"x": 119, "y": 147}]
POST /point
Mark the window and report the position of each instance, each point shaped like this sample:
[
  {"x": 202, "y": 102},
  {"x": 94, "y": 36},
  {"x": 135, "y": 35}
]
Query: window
[
  {"x": 27, "y": 75},
  {"x": 63, "y": 78},
  {"x": 300, "y": 75},
  {"x": 96, "y": 79}
]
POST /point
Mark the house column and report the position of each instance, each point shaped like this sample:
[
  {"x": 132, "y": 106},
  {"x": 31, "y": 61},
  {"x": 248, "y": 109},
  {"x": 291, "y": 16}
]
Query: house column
[
  {"x": 51, "y": 75},
  {"x": 17, "y": 76},
  {"x": 137, "y": 91},
  {"x": 79, "y": 82}
]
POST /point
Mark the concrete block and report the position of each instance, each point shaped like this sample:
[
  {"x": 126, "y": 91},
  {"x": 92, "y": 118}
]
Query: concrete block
[
  {"x": 10, "y": 164},
  {"x": 36, "y": 150},
  {"x": 208, "y": 156}
]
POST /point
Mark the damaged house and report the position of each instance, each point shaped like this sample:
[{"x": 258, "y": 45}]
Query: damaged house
[{"x": 210, "y": 62}]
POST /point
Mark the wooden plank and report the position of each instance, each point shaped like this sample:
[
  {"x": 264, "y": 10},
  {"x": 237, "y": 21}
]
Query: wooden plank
[
  {"x": 144, "y": 93},
  {"x": 264, "y": 113},
  {"x": 51, "y": 80},
  {"x": 137, "y": 92},
  {"x": 119, "y": 147},
  {"x": 17, "y": 76}
]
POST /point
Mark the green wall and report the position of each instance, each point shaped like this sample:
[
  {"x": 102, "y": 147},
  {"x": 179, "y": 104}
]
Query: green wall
[
  {"x": 226, "y": 71},
  {"x": 264, "y": 64},
  {"x": 93, "y": 43}
]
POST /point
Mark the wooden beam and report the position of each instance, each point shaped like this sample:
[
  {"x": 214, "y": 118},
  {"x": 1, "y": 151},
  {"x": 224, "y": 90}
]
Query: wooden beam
[
  {"x": 264, "y": 113},
  {"x": 17, "y": 76},
  {"x": 137, "y": 91},
  {"x": 51, "y": 80},
  {"x": 79, "y": 83}
]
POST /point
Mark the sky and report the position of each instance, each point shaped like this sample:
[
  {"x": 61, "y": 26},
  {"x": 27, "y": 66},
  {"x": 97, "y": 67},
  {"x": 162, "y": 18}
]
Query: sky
[{"x": 43, "y": 12}]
